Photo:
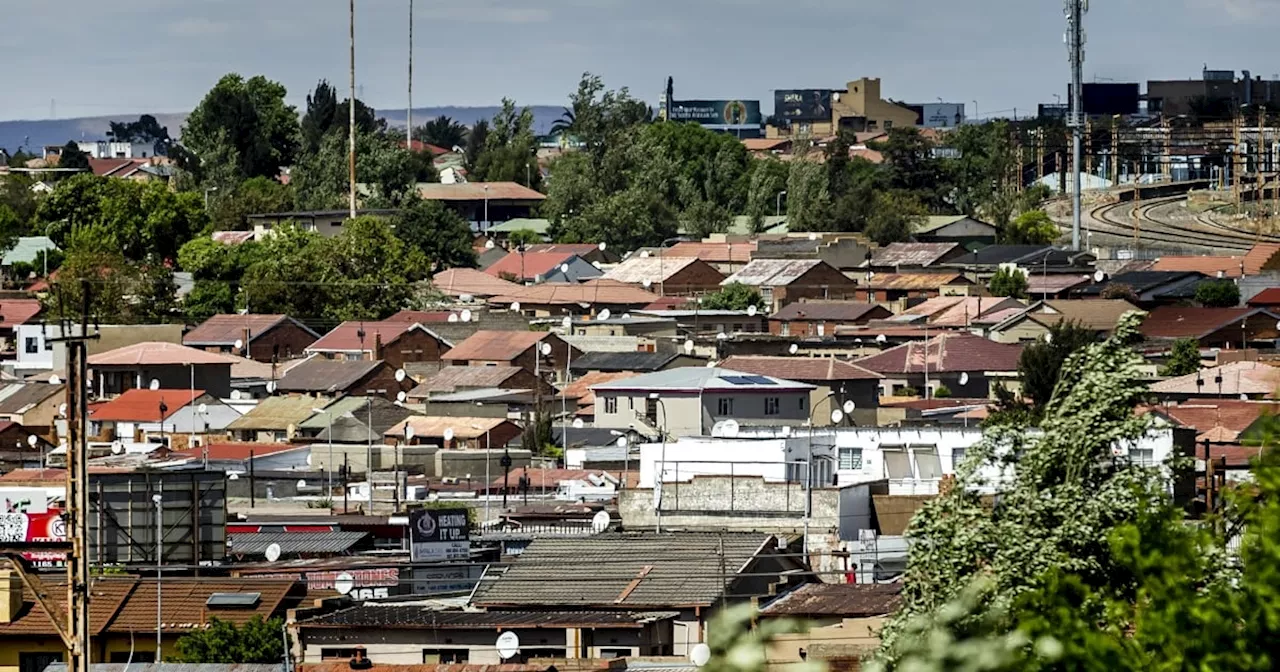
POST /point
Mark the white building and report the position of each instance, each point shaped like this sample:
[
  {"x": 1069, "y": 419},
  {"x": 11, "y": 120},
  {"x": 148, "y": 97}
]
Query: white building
[
  {"x": 774, "y": 459},
  {"x": 110, "y": 149}
]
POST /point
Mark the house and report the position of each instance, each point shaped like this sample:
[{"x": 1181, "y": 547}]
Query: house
[
  {"x": 1097, "y": 315},
  {"x": 667, "y": 274},
  {"x": 691, "y": 401},
  {"x": 962, "y": 362},
  {"x": 896, "y": 256},
  {"x": 961, "y": 229},
  {"x": 29, "y": 250},
  {"x": 31, "y": 404},
  {"x": 329, "y": 378},
  {"x": 582, "y": 298},
  {"x": 582, "y": 397},
  {"x": 538, "y": 267},
  {"x": 783, "y": 281},
  {"x": 593, "y": 253},
  {"x": 484, "y": 203},
  {"x": 122, "y": 620},
  {"x": 696, "y": 321},
  {"x": 241, "y": 457},
  {"x": 458, "y": 282},
  {"x": 162, "y": 365},
  {"x": 1244, "y": 380},
  {"x": 13, "y": 313},
  {"x": 691, "y": 574},
  {"x": 727, "y": 257},
  {"x": 958, "y": 311},
  {"x": 639, "y": 362},
  {"x": 898, "y": 287},
  {"x": 1267, "y": 298},
  {"x": 392, "y": 341},
  {"x": 820, "y": 318},
  {"x": 467, "y": 433},
  {"x": 842, "y": 621},
  {"x": 1229, "y": 429},
  {"x": 457, "y": 378},
  {"x": 1055, "y": 285},
  {"x": 1213, "y": 327},
  {"x": 264, "y": 338},
  {"x": 1149, "y": 287},
  {"x": 536, "y": 351},
  {"x": 327, "y": 223},
  {"x": 835, "y": 382},
  {"x": 985, "y": 260},
  {"x": 644, "y": 328},
  {"x": 353, "y": 419},
  {"x": 167, "y": 417},
  {"x": 503, "y": 230},
  {"x": 1259, "y": 259},
  {"x": 274, "y": 419}
]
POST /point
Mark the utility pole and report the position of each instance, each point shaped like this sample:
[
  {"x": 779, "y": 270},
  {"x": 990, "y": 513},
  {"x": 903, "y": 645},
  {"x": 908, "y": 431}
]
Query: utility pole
[
  {"x": 408, "y": 117},
  {"x": 1257, "y": 199},
  {"x": 1075, "y": 10},
  {"x": 351, "y": 116},
  {"x": 1235, "y": 160}
]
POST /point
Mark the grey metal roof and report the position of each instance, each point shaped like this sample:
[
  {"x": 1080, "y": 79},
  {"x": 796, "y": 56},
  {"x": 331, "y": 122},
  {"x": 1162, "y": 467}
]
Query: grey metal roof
[
  {"x": 772, "y": 272},
  {"x": 294, "y": 543},
  {"x": 702, "y": 378},
  {"x": 325, "y": 375},
  {"x": 622, "y": 570},
  {"x": 417, "y": 616},
  {"x": 621, "y": 361},
  {"x": 911, "y": 254}
]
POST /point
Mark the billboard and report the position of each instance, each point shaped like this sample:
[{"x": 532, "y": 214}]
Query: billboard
[
  {"x": 437, "y": 535},
  {"x": 1105, "y": 98},
  {"x": 802, "y": 104},
  {"x": 939, "y": 115},
  {"x": 717, "y": 113},
  {"x": 45, "y": 527}
]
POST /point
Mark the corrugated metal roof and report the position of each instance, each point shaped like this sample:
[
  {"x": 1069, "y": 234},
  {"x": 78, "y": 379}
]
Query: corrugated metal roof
[
  {"x": 18, "y": 397},
  {"x": 656, "y": 268},
  {"x": 702, "y": 378},
  {"x": 497, "y": 346},
  {"x": 621, "y": 361},
  {"x": 326, "y": 375},
  {"x": 772, "y": 272},
  {"x": 294, "y": 543},
  {"x": 801, "y": 368},
  {"x": 460, "y": 281},
  {"x": 173, "y": 667},
  {"x": 413, "y": 616},
  {"x": 911, "y": 281},
  {"x": 227, "y": 329},
  {"x": 849, "y": 600},
  {"x": 450, "y": 378},
  {"x": 836, "y": 311},
  {"x": 1252, "y": 378},
  {"x": 946, "y": 353},
  {"x": 158, "y": 353},
  {"x": 911, "y": 254},
  {"x": 277, "y": 413},
  {"x": 477, "y": 191}
]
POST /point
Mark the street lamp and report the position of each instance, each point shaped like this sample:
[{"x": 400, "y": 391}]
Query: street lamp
[
  {"x": 164, "y": 408},
  {"x": 159, "y": 586},
  {"x": 778, "y": 202},
  {"x": 330, "y": 414},
  {"x": 662, "y": 459},
  {"x": 207, "y": 191}
]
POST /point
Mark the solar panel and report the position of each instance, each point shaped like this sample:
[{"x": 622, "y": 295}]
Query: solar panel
[
  {"x": 737, "y": 380},
  {"x": 760, "y": 380},
  {"x": 233, "y": 600}
]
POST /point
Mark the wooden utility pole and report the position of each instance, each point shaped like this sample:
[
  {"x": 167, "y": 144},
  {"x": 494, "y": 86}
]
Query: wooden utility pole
[
  {"x": 1235, "y": 161},
  {"x": 1257, "y": 199},
  {"x": 351, "y": 115},
  {"x": 408, "y": 117},
  {"x": 1039, "y": 154}
]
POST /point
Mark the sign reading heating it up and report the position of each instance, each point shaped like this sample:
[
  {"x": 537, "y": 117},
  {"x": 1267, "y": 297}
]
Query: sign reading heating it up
[{"x": 438, "y": 535}]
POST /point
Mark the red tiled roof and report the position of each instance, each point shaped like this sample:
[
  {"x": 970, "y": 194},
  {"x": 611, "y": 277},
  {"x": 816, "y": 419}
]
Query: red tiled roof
[
  {"x": 144, "y": 405},
  {"x": 185, "y": 602},
  {"x": 232, "y": 237},
  {"x": 237, "y": 451},
  {"x": 1262, "y": 257},
  {"x": 494, "y": 346},
  {"x": 1229, "y": 267},
  {"x": 1267, "y": 298},
  {"x": 803, "y": 369},
  {"x": 946, "y": 353},
  {"x": 1191, "y": 321},
  {"x": 580, "y": 388},
  {"x": 459, "y": 281},
  {"x": 716, "y": 253},
  {"x": 116, "y": 167},
  {"x": 420, "y": 146},
  {"x": 765, "y": 144},
  {"x": 535, "y": 264},
  {"x": 1206, "y": 415},
  {"x": 155, "y": 353},
  {"x": 227, "y": 329},
  {"x": 478, "y": 191},
  {"x": 17, "y": 311},
  {"x": 346, "y": 336},
  {"x": 421, "y": 316}
]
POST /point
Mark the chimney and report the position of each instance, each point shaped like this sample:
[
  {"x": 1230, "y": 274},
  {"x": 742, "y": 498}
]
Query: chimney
[
  {"x": 11, "y": 587},
  {"x": 377, "y": 345}
]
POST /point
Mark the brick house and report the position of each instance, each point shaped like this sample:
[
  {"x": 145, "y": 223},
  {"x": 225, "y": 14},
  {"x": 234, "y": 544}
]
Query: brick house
[
  {"x": 261, "y": 337},
  {"x": 513, "y": 348},
  {"x": 668, "y": 274},
  {"x": 394, "y": 342},
  {"x": 820, "y": 318},
  {"x": 784, "y": 281}
]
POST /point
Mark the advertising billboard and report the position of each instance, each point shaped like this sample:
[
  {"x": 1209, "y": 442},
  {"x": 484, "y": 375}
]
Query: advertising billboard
[
  {"x": 939, "y": 115},
  {"x": 1106, "y": 98},
  {"x": 717, "y": 113},
  {"x": 437, "y": 535},
  {"x": 35, "y": 529},
  {"x": 802, "y": 104}
]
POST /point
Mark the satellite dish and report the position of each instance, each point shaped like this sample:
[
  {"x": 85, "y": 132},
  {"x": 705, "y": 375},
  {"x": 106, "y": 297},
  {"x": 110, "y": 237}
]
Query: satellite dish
[
  {"x": 273, "y": 552},
  {"x": 32, "y": 440},
  {"x": 871, "y": 275},
  {"x": 1048, "y": 338},
  {"x": 711, "y": 364},
  {"x": 604, "y": 314},
  {"x": 1244, "y": 397},
  {"x": 596, "y": 264},
  {"x": 644, "y": 254},
  {"x": 567, "y": 322},
  {"x": 400, "y": 374},
  {"x": 603, "y": 245},
  {"x": 155, "y": 384},
  {"x": 515, "y": 306},
  {"x": 448, "y": 434},
  {"x": 466, "y": 298},
  {"x": 564, "y": 268},
  {"x": 62, "y": 410},
  {"x": 233, "y": 477},
  {"x": 793, "y": 349},
  {"x": 545, "y": 348},
  {"x": 626, "y": 316},
  {"x": 836, "y": 416},
  {"x": 730, "y": 429},
  {"x": 752, "y": 310},
  {"x": 116, "y": 448},
  {"x": 621, "y": 442},
  {"x": 786, "y": 430},
  {"x": 881, "y": 338},
  {"x": 235, "y": 395},
  {"x": 849, "y": 406},
  {"x": 54, "y": 380},
  {"x": 271, "y": 387},
  {"x": 722, "y": 336},
  {"x": 466, "y": 314},
  {"x": 600, "y": 522},
  {"x": 239, "y": 344},
  {"x": 488, "y": 244},
  {"x": 508, "y": 644},
  {"x": 577, "y": 423},
  {"x": 202, "y": 409},
  {"x": 343, "y": 583},
  {"x": 964, "y": 378},
  {"x": 688, "y": 346},
  {"x": 647, "y": 283},
  {"x": 700, "y": 655},
  {"x": 453, "y": 317},
  {"x": 1099, "y": 276},
  {"x": 813, "y": 236},
  {"x": 401, "y": 396}
]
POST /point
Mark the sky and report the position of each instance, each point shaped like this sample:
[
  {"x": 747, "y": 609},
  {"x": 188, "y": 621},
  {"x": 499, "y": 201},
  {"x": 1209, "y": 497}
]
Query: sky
[{"x": 128, "y": 56}]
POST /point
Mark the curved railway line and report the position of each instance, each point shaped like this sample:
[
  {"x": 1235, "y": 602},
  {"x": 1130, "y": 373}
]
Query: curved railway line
[{"x": 1201, "y": 231}]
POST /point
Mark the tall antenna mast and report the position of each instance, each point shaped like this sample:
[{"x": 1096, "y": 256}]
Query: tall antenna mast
[
  {"x": 1075, "y": 39},
  {"x": 408, "y": 117},
  {"x": 351, "y": 116}
]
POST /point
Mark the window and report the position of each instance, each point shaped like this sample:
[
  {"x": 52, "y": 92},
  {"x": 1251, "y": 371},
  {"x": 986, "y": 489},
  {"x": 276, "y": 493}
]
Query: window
[
  {"x": 445, "y": 656},
  {"x": 651, "y": 410},
  {"x": 928, "y": 464},
  {"x": 771, "y": 405},
  {"x": 337, "y": 654},
  {"x": 897, "y": 463},
  {"x": 36, "y": 662},
  {"x": 957, "y": 458},
  {"x": 822, "y": 329},
  {"x": 888, "y": 124},
  {"x": 31, "y": 344},
  {"x": 786, "y": 329},
  {"x": 850, "y": 459},
  {"x": 610, "y": 404},
  {"x": 804, "y": 402},
  {"x": 724, "y": 406},
  {"x": 1142, "y": 457}
]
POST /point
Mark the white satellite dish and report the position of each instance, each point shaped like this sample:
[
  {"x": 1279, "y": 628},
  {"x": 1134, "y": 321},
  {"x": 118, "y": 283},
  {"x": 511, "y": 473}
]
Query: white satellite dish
[
  {"x": 836, "y": 416},
  {"x": 239, "y": 344},
  {"x": 604, "y": 314},
  {"x": 603, "y": 245},
  {"x": 515, "y": 306},
  {"x": 793, "y": 349},
  {"x": 466, "y": 314},
  {"x": 343, "y": 583},
  {"x": 1244, "y": 397},
  {"x": 849, "y": 406},
  {"x": 55, "y": 380},
  {"x": 453, "y": 317},
  {"x": 508, "y": 645},
  {"x": 621, "y": 442},
  {"x": 400, "y": 374},
  {"x": 626, "y": 316},
  {"x": 688, "y": 346},
  {"x": 448, "y": 434},
  {"x": 271, "y": 387},
  {"x": 273, "y": 552},
  {"x": 302, "y": 482},
  {"x": 600, "y": 522},
  {"x": 488, "y": 244},
  {"x": 567, "y": 322},
  {"x": 730, "y": 429},
  {"x": 235, "y": 395},
  {"x": 700, "y": 655},
  {"x": 578, "y": 423},
  {"x": 881, "y": 338},
  {"x": 711, "y": 364},
  {"x": 32, "y": 440},
  {"x": 647, "y": 283},
  {"x": 813, "y": 236},
  {"x": 597, "y": 264},
  {"x": 155, "y": 384},
  {"x": 644, "y": 254},
  {"x": 233, "y": 477},
  {"x": 752, "y": 310},
  {"x": 401, "y": 396},
  {"x": 786, "y": 430},
  {"x": 116, "y": 449},
  {"x": 466, "y": 298},
  {"x": 1099, "y": 276},
  {"x": 722, "y": 336},
  {"x": 964, "y": 378},
  {"x": 1048, "y": 338},
  {"x": 62, "y": 410},
  {"x": 545, "y": 348},
  {"x": 564, "y": 268}
]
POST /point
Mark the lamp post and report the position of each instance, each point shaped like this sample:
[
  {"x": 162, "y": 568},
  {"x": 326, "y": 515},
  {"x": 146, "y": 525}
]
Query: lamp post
[
  {"x": 208, "y": 191},
  {"x": 368, "y": 456},
  {"x": 157, "y": 499},
  {"x": 330, "y": 470},
  {"x": 486, "y": 208},
  {"x": 164, "y": 408},
  {"x": 777, "y": 204},
  {"x": 662, "y": 460}
]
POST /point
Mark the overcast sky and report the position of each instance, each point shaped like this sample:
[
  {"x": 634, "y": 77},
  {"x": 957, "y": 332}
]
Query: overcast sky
[{"x": 128, "y": 56}]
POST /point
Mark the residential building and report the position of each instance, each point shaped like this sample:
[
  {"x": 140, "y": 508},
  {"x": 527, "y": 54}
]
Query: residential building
[
  {"x": 162, "y": 365},
  {"x": 820, "y": 113},
  {"x": 32, "y": 404},
  {"x": 592, "y": 253},
  {"x": 459, "y": 282},
  {"x": 14, "y": 313},
  {"x": 1243, "y": 380},
  {"x": 274, "y": 419},
  {"x": 113, "y": 149},
  {"x": 782, "y": 281},
  {"x": 897, "y": 288},
  {"x": 698, "y": 322},
  {"x": 985, "y": 261},
  {"x": 1151, "y": 288},
  {"x": 264, "y": 338},
  {"x": 329, "y": 378},
  {"x": 895, "y": 257},
  {"x": 637, "y": 362},
  {"x": 807, "y": 319},
  {"x": 242, "y": 457},
  {"x": 353, "y": 419},
  {"x": 539, "y": 267},
  {"x": 468, "y": 433},
  {"x": 327, "y": 223},
  {"x": 484, "y": 203},
  {"x": 960, "y": 229},
  {"x": 690, "y": 401},
  {"x": 835, "y": 383},
  {"x": 173, "y": 418},
  {"x": 557, "y": 299},
  {"x": 842, "y": 621},
  {"x": 727, "y": 257},
  {"x": 393, "y": 341},
  {"x": 1055, "y": 285},
  {"x": 456, "y": 378},
  {"x": 513, "y": 348},
  {"x": 958, "y": 311},
  {"x": 667, "y": 274},
  {"x": 1267, "y": 298},
  {"x": 1218, "y": 90},
  {"x": 963, "y": 362},
  {"x": 845, "y": 251},
  {"x": 1224, "y": 328},
  {"x": 641, "y": 327},
  {"x": 1097, "y": 315}
]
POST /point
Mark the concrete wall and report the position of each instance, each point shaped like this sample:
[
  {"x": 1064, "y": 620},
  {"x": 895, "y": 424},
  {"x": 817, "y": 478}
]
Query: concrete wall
[
  {"x": 389, "y": 646},
  {"x": 848, "y": 638},
  {"x": 775, "y": 459}
]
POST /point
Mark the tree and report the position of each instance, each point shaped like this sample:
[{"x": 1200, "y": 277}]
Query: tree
[
  {"x": 1033, "y": 227},
  {"x": 216, "y": 270},
  {"x": 596, "y": 116},
  {"x": 390, "y": 172},
  {"x": 768, "y": 179},
  {"x": 477, "y": 139},
  {"x": 808, "y": 201},
  {"x": 1041, "y": 364},
  {"x": 71, "y": 158},
  {"x": 11, "y": 226},
  {"x": 140, "y": 220},
  {"x": 523, "y": 238},
  {"x": 1011, "y": 282},
  {"x": 910, "y": 165},
  {"x": 369, "y": 273},
  {"x": 230, "y": 211},
  {"x": 734, "y": 296},
  {"x": 285, "y": 278},
  {"x": 442, "y": 132},
  {"x": 438, "y": 232},
  {"x": 256, "y": 641},
  {"x": 895, "y": 217},
  {"x": 510, "y": 149},
  {"x": 145, "y": 130},
  {"x": 1184, "y": 358},
  {"x": 246, "y": 119},
  {"x": 123, "y": 291},
  {"x": 1218, "y": 294}
]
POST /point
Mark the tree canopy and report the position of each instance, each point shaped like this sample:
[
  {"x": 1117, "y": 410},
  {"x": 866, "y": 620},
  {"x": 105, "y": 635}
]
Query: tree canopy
[
  {"x": 734, "y": 296},
  {"x": 1218, "y": 294},
  {"x": 1011, "y": 282},
  {"x": 136, "y": 219},
  {"x": 245, "y": 122},
  {"x": 255, "y": 641}
]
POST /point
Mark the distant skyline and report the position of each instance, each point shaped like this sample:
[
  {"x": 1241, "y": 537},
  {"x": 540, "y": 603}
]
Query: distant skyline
[{"x": 131, "y": 56}]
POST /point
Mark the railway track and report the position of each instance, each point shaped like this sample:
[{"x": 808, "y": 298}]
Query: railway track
[{"x": 1152, "y": 229}]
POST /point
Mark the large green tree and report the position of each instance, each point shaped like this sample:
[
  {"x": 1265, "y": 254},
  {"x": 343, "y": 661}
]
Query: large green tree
[
  {"x": 808, "y": 197},
  {"x": 734, "y": 296},
  {"x": 71, "y": 158},
  {"x": 388, "y": 172},
  {"x": 894, "y": 217},
  {"x": 140, "y": 220},
  {"x": 216, "y": 270},
  {"x": 223, "y": 642},
  {"x": 245, "y": 120},
  {"x": 438, "y": 232},
  {"x": 1041, "y": 364},
  {"x": 510, "y": 151},
  {"x": 443, "y": 132}
]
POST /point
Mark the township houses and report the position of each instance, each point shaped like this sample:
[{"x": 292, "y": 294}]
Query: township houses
[
  {"x": 964, "y": 363},
  {"x": 727, "y": 257},
  {"x": 556, "y": 299},
  {"x": 782, "y": 281},
  {"x": 896, "y": 288},
  {"x": 451, "y": 379},
  {"x": 807, "y": 319},
  {"x": 395, "y": 342},
  {"x": 667, "y": 274},
  {"x": 1097, "y": 315},
  {"x": 530, "y": 350},
  {"x": 14, "y": 313},
  {"x": 264, "y": 338},
  {"x": 454, "y": 432},
  {"x": 320, "y": 377},
  {"x": 1225, "y": 328},
  {"x": 459, "y": 282},
  {"x": 1242, "y": 380},
  {"x": 161, "y": 365},
  {"x": 835, "y": 382},
  {"x": 539, "y": 267},
  {"x": 161, "y": 416}
]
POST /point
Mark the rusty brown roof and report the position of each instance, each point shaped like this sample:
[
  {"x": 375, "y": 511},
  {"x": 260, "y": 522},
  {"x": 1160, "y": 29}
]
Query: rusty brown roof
[
  {"x": 910, "y": 281},
  {"x": 495, "y": 346},
  {"x": 850, "y": 600},
  {"x": 227, "y": 329},
  {"x": 911, "y": 254}
]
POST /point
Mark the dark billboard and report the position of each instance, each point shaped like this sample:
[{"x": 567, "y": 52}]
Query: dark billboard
[
  {"x": 802, "y": 104},
  {"x": 1106, "y": 98},
  {"x": 717, "y": 112}
]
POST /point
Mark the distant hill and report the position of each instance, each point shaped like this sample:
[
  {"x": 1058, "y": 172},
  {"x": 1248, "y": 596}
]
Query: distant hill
[{"x": 36, "y": 133}]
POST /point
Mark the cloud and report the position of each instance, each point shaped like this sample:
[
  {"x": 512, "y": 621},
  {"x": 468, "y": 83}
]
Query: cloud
[{"x": 197, "y": 27}]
